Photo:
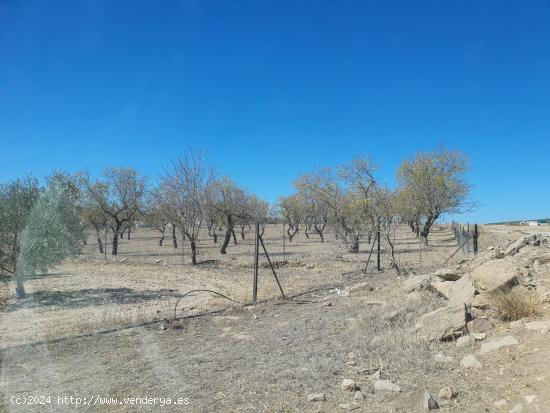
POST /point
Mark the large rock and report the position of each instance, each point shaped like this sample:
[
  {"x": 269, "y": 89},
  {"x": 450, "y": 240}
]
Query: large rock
[
  {"x": 462, "y": 292},
  {"x": 443, "y": 323},
  {"x": 481, "y": 301},
  {"x": 533, "y": 239},
  {"x": 540, "y": 325},
  {"x": 442, "y": 287},
  {"x": 494, "y": 345},
  {"x": 416, "y": 283},
  {"x": 479, "y": 325},
  {"x": 448, "y": 274},
  {"x": 495, "y": 274}
]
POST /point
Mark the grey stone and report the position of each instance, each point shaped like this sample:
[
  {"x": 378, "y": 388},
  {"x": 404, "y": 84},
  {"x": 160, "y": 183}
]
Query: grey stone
[
  {"x": 462, "y": 292},
  {"x": 522, "y": 242},
  {"x": 442, "y": 287},
  {"x": 448, "y": 274},
  {"x": 359, "y": 395},
  {"x": 348, "y": 385},
  {"x": 316, "y": 397},
  {"x": 349, "y": 406},
  {"x": 479, "y": 336},
  {"x": 416, "y": 283},
  {"x": 470, "y": 361},
  {"x": 447, "y": 393},
  {"x": 465, "y": 341},
  {"x": 495, "y": 274},
  {"x": 386, "y": 386},
  {"x": 443, "y": 323},
  {"x": 540, "y": 325},
  {"x": 479, "y": 325},
  {"x": 428, "y": 402},
  {"x": 497, "y": 344}
]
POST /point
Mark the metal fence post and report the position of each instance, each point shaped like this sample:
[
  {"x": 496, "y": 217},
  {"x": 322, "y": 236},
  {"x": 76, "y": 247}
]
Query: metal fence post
[{"x": 256, "y": 252}]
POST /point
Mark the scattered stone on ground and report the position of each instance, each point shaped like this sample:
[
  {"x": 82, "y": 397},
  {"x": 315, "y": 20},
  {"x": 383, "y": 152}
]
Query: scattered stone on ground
[
  {"x": 495, "y": 274},
  {"x": 316, "y": 397},
  {"x": 447, "y": 393},
  {"x": 416, "y": 283},
  {"x": 348, "y": 385},
  {"x": 465, "y": 341},
  {"x": 386, "y": 386},
  {"x": 443, "y": 323},
  {"x": 496, "y": 344},
  {"x": 479, "y": 336},
  {"x": 470, "y": 361},
  {"x": 462, "y": 292},
  {"x": 359, "y": 395},
  {"x": 349, "y": 406},
  {"x": 479, "y": 325},
  {"x": 429, "y": 402}
]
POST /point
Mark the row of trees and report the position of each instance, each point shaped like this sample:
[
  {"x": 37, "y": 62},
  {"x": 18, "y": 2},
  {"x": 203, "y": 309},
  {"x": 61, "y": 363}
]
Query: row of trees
[
  {"x": 350, "y": 199},
  {"x": 189, "y": 196}
]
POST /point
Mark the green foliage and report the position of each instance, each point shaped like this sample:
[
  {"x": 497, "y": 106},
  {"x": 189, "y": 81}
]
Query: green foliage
[
  {"x": 16, "y": 201},
  {"x": 53, "y": 229}
]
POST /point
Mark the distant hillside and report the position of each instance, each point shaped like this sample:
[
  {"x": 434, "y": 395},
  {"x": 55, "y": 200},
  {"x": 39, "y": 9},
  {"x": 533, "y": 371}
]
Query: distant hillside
[{"x": 540, "y": 221}]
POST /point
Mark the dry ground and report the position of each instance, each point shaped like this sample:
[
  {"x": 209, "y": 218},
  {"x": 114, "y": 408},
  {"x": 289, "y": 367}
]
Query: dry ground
[
  {"x": 145, "y": 281},
  {"x": 249, "y": 359}
]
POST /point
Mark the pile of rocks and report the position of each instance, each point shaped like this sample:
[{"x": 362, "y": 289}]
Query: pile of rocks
[{"x": 467, "y": 286}]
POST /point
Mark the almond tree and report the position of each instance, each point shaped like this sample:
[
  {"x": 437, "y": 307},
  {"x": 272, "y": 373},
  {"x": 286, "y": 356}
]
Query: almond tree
[
  {"x": 118, "y": 195},
  {"x": 437, "y": 181},
  {"x": 183, "y": 193},
  {"x": 292, "y": 211},
  {"x": 226, "y": 206}
]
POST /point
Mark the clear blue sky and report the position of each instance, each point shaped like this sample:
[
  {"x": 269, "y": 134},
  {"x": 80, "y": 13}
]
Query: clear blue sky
[{"x": 274, "y": 89}]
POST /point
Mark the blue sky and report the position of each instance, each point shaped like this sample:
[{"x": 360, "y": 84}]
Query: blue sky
[{"x": 274, "y": 89}]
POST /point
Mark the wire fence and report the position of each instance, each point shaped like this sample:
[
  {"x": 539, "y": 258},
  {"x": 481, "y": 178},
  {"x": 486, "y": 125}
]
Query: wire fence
[{"x": 467, "y": 238}]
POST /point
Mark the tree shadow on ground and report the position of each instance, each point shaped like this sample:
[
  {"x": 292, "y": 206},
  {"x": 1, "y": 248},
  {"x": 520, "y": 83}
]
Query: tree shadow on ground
[{"x": 89, "y": 297}]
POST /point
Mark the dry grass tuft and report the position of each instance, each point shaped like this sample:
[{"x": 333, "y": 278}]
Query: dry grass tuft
[{"x": 516, "y": 303}]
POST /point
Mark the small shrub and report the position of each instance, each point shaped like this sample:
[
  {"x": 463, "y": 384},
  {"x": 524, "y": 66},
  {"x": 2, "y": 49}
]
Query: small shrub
[{"x": 516, "y": 303}]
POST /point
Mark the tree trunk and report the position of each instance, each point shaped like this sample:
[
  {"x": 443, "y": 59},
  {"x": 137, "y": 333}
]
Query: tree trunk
[
  {"x": 378, "y": 267},
  {"x": 114, "y": 250},
  {"x": 291, "y": 231},
  {"x": 193, "y": 252},
  {"x": 242, "y": 231},
  {"x": 99, "y": 243},
  {"x": 234, "y": 236},
  {"x": 354, "y": 247},
  {"x": 215, "y": 235},
  {"x": 226, "y": 240},
  {"x": 20, "y": 289},
  {"x": 174, "y": 237},
  {"x": 129, "y": 231}
]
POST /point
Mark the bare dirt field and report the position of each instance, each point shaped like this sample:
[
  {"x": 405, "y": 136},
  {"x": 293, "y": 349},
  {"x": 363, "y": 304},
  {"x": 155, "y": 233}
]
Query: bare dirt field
[{"x": 266, "y": 358}]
